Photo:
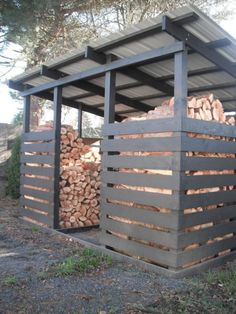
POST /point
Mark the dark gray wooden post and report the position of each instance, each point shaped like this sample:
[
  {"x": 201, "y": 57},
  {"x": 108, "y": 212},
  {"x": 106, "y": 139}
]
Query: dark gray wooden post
[
  {"x": 110, "y": 93},
  {"x": 80, "y": 122},
  {"x": 109, "y": 117},
  {"x": 26, "y": 114},
  {"x": 57, "y": 104},
  {"x": 181, "y": 84},
  {"x": 180, "y": 112}
]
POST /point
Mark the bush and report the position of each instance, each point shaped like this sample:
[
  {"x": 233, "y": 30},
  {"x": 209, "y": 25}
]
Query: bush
[{"x": 13, "y": 171}]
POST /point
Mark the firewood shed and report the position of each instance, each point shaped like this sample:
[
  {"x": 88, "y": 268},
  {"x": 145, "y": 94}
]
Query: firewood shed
[{"x": 168, "y": 185}]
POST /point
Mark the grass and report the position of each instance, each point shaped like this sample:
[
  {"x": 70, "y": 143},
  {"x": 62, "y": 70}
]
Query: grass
[
  {"x": 215, "y": 292},
  {"x": 225, "y": 279},
  {"x": 35, "y": 229},
  {"x": 10, "y": 281},
  {"x": 88, "y": 259}
]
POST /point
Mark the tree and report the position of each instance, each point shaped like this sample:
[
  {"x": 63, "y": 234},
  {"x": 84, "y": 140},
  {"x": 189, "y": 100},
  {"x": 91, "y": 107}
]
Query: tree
[
  {"x": 18, "y": 118},
  {"x": 13, "y": 171},
  {"x": 88, "y": 128},
  {"x": 47, "y": 28}
]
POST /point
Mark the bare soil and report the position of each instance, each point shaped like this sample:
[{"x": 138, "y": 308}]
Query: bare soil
[{"x": 27, "y": 285}]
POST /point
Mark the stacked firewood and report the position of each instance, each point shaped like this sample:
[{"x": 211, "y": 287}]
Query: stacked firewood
[
  {"x": 79, "y": 181},
  {"x": 199, "y": 107}
]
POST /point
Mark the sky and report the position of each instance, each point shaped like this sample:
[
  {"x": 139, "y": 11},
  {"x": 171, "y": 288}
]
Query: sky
[{"x": 10, "y": 106}]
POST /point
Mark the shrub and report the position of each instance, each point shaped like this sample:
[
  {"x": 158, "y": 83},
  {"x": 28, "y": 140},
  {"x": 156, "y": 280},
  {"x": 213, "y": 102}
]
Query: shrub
[{"x": 13, "y": 171}]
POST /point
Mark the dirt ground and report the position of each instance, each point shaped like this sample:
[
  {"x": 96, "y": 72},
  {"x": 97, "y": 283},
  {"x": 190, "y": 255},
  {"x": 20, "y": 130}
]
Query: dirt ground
[{"x": 27, "y": 285}]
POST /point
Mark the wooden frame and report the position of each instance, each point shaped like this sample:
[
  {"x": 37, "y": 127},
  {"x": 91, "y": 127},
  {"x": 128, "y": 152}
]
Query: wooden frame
[{"x": 164, "y": 233}]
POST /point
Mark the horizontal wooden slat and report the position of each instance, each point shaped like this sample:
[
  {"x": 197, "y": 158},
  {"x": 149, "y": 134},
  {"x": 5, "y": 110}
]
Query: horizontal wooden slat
[
  {"x": 207, "y": 163},
  {"x": 168, "y": 239},
  {"x": 207, "y": 181},
  {"x": 141, "y": 162},
  {"x": 48, "y": 196},
  {"x": 168, "y": 220},
  {"x": 205, "y": 199},
  {"x": 186, "y": 257},
  {"x": 38, "y": 136},
  {"x": 158, "y": 144},
  {"x": 213, "y": 215},
  {"x": 40, "y": 171},
  {"x": 27, "y": 212},
  {"x": 140, "y": 197},
  {"x": 203, "y": 235},
  {"x": 140, "y": 127},
  {"x": 38, "y": 148},
  {"x": 41, "y": 183},
  {"x": 167, "y": 258},
  {"x": 205, "y": 145},
  {"x": 141, "y": 179},
  {"x": 37, "y": 159},
  {"x": 47, "y": 208},
  {"x": 208, "y": 127}
]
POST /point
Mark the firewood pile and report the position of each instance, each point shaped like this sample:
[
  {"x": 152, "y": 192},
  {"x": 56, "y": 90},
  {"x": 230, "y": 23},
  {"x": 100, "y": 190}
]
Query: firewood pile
[
  {"x": 200, "y": 107},
  {"x": 79, "y": 181}
]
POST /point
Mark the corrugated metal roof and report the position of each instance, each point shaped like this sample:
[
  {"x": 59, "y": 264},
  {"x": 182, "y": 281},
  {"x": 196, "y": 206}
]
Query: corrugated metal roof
[{"x": 203, "y": 27}]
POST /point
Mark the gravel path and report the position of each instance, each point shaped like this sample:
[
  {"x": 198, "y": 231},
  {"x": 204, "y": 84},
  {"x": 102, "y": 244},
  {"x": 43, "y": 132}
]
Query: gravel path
[{"x": 25, "y": 252}]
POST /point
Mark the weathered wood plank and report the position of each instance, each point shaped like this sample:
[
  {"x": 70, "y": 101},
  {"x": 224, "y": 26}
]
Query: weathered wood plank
[
  {"x": 141, "y": 179},
  {"x": 141, "y": 162},
  {"x": 37, "y": 159},
  {"x": 141, "y": 127},
  {"x": 40, "y": 171},
  {"x": 158, "y": 144},
  {"x": 38, "y": 136},
  {"x": 47, "y": 208},
  {"x": 197, "y": 254},
  {"x": 44, "y": 195},
  {"x": 41, "y": 183},
  {"x": 168, "y": 220},
  {"x": 203, "y": 235},
  {"x": 38, "y": 148},
  {"x": 130, "y": 247},
  {"x": 140, "y": 197},
  {"x": 168, "y": 239}
]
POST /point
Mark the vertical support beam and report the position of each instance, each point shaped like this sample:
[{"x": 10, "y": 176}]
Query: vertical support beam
[
  {"x": 180, "y": 112},
  {"x": 109, "y": 117},
  {"x": 109, "y": 105},
  {"x": 181, "y": 84},
  {"x": 80, "y": 122},
  {"x": 57, "y": 104},
  {"x": 26, "y": 114}
]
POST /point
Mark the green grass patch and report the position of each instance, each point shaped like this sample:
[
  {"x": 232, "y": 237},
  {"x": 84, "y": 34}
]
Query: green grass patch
[
  {"x": 10, "y": 281},
  {"x": 88, "y": 259},
  {"x": 35, "y": 229},
  {"x": 215, "y": 292},
  {"x": 224, "y": 279}
]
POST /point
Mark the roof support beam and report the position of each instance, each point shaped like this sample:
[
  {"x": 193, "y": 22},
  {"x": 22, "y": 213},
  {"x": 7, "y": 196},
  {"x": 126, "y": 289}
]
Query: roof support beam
[
  {"x": 136, "y": 60},
  {"x": 198, "y": 45},
  {"x": 97, "y": 90},
  {"x": 132, "y": 72},
  {"x": 197, "y": 72},
  {"x": 76, "y": 105},
  {"x": 67, "y": 102}
]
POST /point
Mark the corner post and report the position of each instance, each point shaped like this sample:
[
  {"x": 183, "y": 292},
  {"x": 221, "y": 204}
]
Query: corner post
[
  {"x": 180, "y": 113},
  {"x": 57, "y": 103},
  {"x": 80, "y": 121},
  {"x": 109, "y": 117},
  {"x": 26, "y": 114}
]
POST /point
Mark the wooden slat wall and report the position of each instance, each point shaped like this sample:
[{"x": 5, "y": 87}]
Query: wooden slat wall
[
  {"x": 37, "y": 181},
  {"x": 178, "y": 215}
]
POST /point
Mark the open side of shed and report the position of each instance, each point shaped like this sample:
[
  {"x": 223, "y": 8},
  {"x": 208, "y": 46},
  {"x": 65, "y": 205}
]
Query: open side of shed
[{"x": 182, "y": 53}]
